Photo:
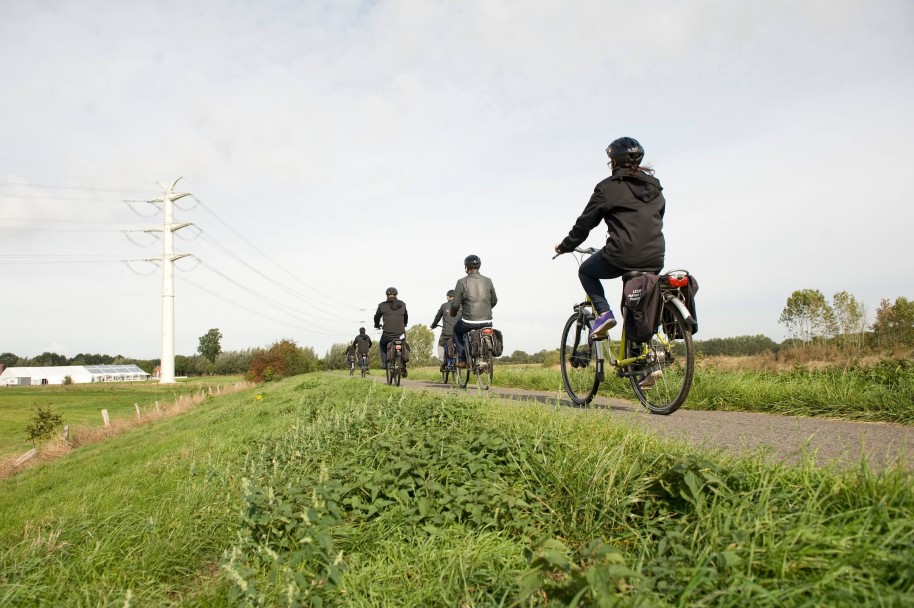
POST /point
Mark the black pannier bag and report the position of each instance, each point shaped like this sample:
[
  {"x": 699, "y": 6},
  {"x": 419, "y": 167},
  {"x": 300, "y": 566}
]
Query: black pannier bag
[
  {"x": 404, "y": 352},
  {"x": 498, "y": 343},
  {"x": 450, "y": 348},
  {"x": 641, "y": 304}
]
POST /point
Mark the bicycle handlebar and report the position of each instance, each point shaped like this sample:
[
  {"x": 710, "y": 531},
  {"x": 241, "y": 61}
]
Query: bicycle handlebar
[{"x": 588, "y": 251}]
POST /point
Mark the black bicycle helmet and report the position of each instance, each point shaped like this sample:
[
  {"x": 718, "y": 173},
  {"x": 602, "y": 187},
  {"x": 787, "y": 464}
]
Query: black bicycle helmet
[
  {"x": 391, "y": 291},
  {"x": 361, "y": 330},
  {"x": 450, "y": 293},
  {"x": 625, "y": 152},
  {"x": 472, "y": 261}
]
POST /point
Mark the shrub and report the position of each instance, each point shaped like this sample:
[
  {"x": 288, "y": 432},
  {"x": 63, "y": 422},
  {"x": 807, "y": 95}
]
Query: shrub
[{"x": 43, "y": 423}]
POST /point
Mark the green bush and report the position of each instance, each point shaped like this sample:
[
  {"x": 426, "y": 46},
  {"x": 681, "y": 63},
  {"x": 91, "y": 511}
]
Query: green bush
[{"x": 43, "y": 423}]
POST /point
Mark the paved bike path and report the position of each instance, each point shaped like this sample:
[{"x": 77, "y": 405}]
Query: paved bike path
[{"x": 781, "y": 438}]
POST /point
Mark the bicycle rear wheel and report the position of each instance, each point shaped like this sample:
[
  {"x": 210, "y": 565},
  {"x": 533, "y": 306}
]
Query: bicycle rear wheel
[
  {"x": 579, "y": 367},
  {"x": 483, "y": 366},
  {"x": 663, "y": 381}
]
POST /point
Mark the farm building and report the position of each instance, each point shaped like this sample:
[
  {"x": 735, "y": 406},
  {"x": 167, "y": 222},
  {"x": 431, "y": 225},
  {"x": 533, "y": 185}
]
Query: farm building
[{"x": 79, "y": 374}]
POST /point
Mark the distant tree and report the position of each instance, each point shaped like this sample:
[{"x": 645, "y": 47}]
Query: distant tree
[
  {"x": 8, "y": 359},
  {"x": 894, "y": 325},
  {"x": 233, "y": 362},
  {"x": 421, "y": 340},
  {"x": 739, "y": 346},
  {"x": 284, "y": 358},
  {"x": 49, "y": 359},
  {"x": 517, "y": 356},
  {"x": 807, "y": 315},
  {"x": 43, "y": 423},
  {"x": 181, "y": 365},
  {"x": 210, "y": 344},
  {"x": 850, "y": 320},
  {"x": 336, "y": 356}
]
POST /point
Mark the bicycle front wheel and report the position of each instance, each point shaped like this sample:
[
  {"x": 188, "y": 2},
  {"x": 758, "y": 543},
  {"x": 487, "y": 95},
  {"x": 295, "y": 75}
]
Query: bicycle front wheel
[
  {"x": 663, "y": 380},
  {"x": 578, "y": 358}
]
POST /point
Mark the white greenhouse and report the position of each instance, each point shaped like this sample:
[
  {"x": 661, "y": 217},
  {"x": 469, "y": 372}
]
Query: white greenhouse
[{"x": 79, "y": 374}]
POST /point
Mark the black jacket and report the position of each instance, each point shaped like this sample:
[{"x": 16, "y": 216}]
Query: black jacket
[
  {"x": 632, "y": 205},
  {"x": 447, "y": 321},
  {"x": 362, "y": 343},
  {"x": 395, "y": 318}
]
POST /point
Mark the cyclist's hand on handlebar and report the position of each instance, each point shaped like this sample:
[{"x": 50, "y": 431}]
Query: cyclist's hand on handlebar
[{"x": 558, "y": 247}]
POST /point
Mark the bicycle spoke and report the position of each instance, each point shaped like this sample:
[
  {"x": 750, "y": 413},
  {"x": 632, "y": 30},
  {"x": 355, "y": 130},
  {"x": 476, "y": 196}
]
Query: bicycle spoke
[
  {"x": 578, "y": 360},
  {"x": 663, "y": 381}
]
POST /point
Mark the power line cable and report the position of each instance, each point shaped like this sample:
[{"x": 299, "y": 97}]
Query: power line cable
[{"x": 269, "y": 259}]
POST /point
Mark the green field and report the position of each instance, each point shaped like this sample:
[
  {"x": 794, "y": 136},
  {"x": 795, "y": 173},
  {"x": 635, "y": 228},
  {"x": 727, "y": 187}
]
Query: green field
[
  {"x": 337, "y": 492},
  {"x": 81, "y": 404}
]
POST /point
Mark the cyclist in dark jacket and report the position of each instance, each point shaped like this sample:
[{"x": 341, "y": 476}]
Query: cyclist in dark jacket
[
  {"x": 475, "y": 297},
  {"x": 362, "y": 342},
  {"x": 447, "y": 325},
  {"x": 393, "y": 312},
  {"x": 631, "y": 203}
]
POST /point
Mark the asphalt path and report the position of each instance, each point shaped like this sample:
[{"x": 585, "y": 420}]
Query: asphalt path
[{"x": 783, "y": 439}]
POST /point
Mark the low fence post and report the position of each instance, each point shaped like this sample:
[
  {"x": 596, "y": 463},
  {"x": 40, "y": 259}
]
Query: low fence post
[
  {"x": 136, "y": 406},
  {"x": 105, "y": 418},
  {"x": 158, "y": 409}
]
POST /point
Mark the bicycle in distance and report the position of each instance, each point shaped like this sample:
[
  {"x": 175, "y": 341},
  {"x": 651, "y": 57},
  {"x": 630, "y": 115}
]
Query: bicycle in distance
[
  {"x": 479, "y": 346},
  {"x": 351, "y": 362},
  {"x": 660, "y": 370},
  {"x": 395, "y": 363},
  {"x": 449, "y": 365},
  {"x": 363, "y": 364}
]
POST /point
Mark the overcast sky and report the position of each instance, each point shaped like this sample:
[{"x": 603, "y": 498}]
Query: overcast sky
[{"x": 337, "y": 148}]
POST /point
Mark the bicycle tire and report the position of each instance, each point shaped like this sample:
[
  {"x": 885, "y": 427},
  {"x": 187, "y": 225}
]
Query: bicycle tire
[
  {"x": 463, "y": 374},
  {"x": 364, "y": 366},
  {"x": 396, "y": 370},
  {"x": 490, "y": 359},
  {"x": 480, "y": 367},
  {"x": 388, "y": 370},
  {"x": 670, "y": 352},
  {"x": 579, "y": 367}
]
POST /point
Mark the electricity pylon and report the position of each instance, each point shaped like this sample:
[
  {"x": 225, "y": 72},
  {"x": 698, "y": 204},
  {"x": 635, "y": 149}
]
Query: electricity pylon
[{"x": 168, "y": 229}]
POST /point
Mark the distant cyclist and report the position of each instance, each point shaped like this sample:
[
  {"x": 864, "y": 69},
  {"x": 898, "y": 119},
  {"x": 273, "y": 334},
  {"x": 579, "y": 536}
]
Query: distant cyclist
[
  {"x": 632, "y": 205},
  {"x": 474, "y": 297},
  {"x": 362, "y": 343},
  {"x": 393, "y": 312},
  {"x": 351, "y": 356},
  {"x": 447, "y": 325}
]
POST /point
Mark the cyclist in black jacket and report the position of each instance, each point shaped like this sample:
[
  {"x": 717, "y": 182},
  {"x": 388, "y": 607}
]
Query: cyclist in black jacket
[
  {"x": 393, "y": 311},
  {"x": 447, "y": 325},
  {"x": 362, "y": 342},
  {"x": 631, "y": 203}
]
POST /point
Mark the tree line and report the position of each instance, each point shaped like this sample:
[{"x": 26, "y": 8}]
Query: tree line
[{"x": 810, "y": 317}]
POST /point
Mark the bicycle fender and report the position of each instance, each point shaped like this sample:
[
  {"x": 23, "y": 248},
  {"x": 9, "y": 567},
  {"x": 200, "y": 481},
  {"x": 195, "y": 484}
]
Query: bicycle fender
[{"x": 682, "y": 309}]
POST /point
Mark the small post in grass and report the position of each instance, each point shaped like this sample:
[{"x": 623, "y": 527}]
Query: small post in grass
[
  {"x": 136, "y": 406},
  {"x": 66, "y": 433},
  {"x": 158, "y": 409},
  {"x": 105, "y": 418}
]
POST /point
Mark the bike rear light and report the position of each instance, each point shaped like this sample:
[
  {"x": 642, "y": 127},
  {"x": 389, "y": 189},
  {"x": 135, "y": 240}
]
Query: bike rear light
[
  {"x": 678, "y": 281},
  {"x": 487, "y": 330}
]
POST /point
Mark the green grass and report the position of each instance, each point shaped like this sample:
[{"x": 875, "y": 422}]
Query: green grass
[
  {"x": 331, "y": 491},
  {"x": 884, "y": 393},
  {"x": 81, "y": 404}
]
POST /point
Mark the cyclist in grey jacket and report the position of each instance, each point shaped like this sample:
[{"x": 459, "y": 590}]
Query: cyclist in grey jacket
[
  {"x": 475, "y": 296},
  {"x": 447, "y": 325}
]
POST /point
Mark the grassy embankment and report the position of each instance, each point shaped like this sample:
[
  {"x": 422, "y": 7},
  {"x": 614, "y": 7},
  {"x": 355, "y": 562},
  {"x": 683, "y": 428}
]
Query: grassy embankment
[
  {"x": 81, "y": 404},
  {"x": 879, "y": 392},
  {"x": 358, "y": 494}
]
